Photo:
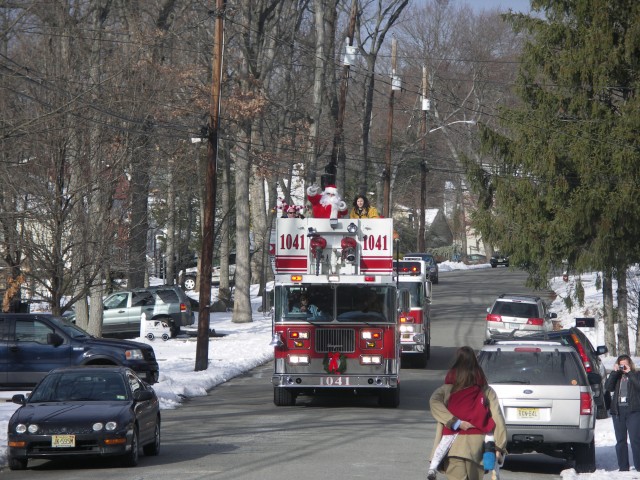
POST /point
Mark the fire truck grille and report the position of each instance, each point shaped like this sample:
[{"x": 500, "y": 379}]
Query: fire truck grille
[{"x": 341, "y": 340}]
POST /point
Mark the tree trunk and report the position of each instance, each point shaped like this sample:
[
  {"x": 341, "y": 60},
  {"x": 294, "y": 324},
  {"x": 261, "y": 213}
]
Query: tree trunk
[
  {"x": 623, "y": 322},
  {"x": 242, "y": 304},
  {"x": 224, "y": 289},
  {"x": 609, "y": 314}
]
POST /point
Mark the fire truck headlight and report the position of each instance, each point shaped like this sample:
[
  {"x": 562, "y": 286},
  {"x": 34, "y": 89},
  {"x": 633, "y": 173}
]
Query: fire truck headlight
[
  {"x": 299, "y": 359},
  {"x": 371, "y": 359},
  {"x": 407, "y": 328}
]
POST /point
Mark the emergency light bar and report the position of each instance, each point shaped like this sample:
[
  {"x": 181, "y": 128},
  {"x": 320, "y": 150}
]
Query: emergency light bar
[{"x": 407, "y": 268}]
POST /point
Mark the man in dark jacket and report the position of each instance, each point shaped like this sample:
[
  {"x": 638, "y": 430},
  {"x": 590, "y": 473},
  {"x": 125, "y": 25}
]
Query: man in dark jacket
[{"x": 624, "y": 382}]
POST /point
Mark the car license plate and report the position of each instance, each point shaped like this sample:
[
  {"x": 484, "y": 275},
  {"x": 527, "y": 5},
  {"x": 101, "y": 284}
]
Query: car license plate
[
  {"x": 528, "y": 413},
  {"x": 63, "y": 441}
]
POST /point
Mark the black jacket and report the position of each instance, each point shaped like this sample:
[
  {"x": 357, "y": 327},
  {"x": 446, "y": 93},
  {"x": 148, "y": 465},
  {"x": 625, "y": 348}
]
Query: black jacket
[{"x": 613, "y": 385}]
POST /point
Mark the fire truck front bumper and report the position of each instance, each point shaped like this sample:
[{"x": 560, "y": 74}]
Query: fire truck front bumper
[
  {"x": 412, "y": 343},
  {"x": 318, "y": 381}
]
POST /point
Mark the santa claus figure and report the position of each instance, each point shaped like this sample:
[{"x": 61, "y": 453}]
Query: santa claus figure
[{"x": 327, "y": 205}]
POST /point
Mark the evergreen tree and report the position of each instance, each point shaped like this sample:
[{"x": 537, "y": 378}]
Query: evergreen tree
[{"x": 565, "y": 181}]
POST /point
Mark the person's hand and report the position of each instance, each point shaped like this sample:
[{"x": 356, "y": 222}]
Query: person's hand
[
  {"x": 499, "y": 456},
  {"x": 464, "y": 425}
]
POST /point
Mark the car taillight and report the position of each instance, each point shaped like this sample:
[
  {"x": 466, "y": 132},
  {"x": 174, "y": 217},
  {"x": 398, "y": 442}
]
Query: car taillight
[
  {"x": 183, "y": 307},
  {"x": 586, "y": 403},
  {"x": 582, "y": 353},
  {"x": 535, "y": 321},
  {"x": 492, "y": 317}
]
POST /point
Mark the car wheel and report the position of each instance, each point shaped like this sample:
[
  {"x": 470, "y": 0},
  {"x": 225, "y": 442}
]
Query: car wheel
[
  {"x": 173, "y": 328},
  {"x": 150, "y": 336},
  {"x": 389, "y": 397},
  {"x": 601, "y": 412},
  {"x": 493, "y": 265},
  {"x": 18, "y": 463},
  {"x": 189, "y": 283},
  {"x": 283, "y": 397},
  {"x": 130, "y": 458},
  {"x": 585, "y": 457},
  {"x": 153, "y": 448},
  {"x": 421, "y": 360}
]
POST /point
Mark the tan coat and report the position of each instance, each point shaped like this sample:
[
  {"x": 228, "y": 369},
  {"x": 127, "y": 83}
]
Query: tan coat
[{"x": 469, "y": 447}]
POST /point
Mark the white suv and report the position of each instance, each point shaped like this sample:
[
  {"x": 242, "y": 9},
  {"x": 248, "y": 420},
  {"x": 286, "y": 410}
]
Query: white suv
[
  {"x": 546, "y": 399},
  {"x": 516, "y": 313}
]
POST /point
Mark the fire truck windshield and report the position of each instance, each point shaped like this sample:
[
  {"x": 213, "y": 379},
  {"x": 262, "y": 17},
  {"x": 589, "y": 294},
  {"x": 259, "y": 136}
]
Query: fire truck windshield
[
  {"x": 416, "y": 290},
  {"x": 335, "y": 303}
]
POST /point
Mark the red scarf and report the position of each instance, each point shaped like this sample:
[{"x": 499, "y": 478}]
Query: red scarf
[{"x": 469, "y": 404}]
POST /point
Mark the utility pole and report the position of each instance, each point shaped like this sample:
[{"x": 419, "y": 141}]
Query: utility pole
[
  {"x": 387, "y": 164},
  {"x": 338, "y": 156},
  {"x": 423, "y": 162},
  {"x": 202, "y": 345}
]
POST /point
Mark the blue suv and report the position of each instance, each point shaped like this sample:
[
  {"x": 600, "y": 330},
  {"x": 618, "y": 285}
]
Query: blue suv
[{"x": 33, "y": 344}]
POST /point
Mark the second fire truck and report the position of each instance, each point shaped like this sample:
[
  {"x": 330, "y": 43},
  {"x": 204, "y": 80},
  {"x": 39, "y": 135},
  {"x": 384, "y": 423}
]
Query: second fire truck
[
  {"x": 415, "y": 324},
  {"x": 335, "y": 316}
]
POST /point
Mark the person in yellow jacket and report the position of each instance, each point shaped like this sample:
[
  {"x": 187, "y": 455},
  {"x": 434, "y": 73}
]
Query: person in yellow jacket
[
  {"x": 362, "y": 209},
  {"x": 464, "y": 459}
]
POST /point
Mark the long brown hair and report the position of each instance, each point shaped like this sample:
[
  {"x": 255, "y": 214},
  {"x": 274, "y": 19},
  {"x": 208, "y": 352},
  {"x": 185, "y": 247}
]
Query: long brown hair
[{"x": 466, "y": 371}]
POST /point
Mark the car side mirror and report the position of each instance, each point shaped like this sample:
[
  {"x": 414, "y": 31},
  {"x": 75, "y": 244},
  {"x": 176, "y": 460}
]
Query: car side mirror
[
  {"x": 19, "y": 398},
  {"x": 601, "y": 350},
  {"x": 488, "y": 309},
  {"x": 553, "y": 315},
  {"x": 54, "y": 339},
  {"x": 142, "y": 395},
  {"x": 594, "y": 378}
]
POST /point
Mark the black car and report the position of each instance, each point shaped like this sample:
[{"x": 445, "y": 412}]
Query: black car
[
  {"x": 85, "y": 411},
  {"x": 33, "y": 344},
  {"x": 430, "y": 262},
  {"x": 499, "y": 259},
  {"x": 574, "y": 337}
]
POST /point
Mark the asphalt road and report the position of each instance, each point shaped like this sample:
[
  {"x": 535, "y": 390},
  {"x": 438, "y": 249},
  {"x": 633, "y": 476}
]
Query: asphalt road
[{"x": 237, "y": 433}]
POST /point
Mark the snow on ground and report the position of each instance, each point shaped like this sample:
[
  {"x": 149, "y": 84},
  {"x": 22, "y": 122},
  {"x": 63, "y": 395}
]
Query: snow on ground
[{"x": 246, "y": 345}]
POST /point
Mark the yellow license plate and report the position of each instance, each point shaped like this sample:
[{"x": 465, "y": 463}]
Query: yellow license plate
[
  {"x": 528, "y": 413},
  {"x": 63, "y": 441}
]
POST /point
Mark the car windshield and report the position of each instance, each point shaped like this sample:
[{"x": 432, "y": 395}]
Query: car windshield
[
  {"x": 343, "y": 303},
  {"x": 80, "y": 386},
  {"x": 69, "y": 328},
  {"x": 514, "y": 309},
  {"x": 416, "y": 291},
  {"x": 531, "y": 367}
]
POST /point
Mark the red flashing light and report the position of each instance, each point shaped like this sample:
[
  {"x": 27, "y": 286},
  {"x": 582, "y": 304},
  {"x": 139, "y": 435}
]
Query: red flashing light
[
  {"x": 369, "y": 279},
  {"x": 582, "y": 353},
  {"x": 296, "y": 278},
  {"x": 407, "y": 319}
]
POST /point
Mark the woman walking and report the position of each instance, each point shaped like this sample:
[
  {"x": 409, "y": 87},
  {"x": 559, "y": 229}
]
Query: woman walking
[
  {"x": 624, "y": 382},
  {"x": 466, "y": 410}
]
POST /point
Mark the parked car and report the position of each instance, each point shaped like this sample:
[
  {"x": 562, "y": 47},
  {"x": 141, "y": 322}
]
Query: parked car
[
  {"x": 499, "y": 259},
  {"x": 590, "y": 357},
  {"x": 546, "y": 399},
  {"x": 123, "y": 309},
  {"x": 518, "y": 313},
  {"x": 476, "y": 259},
  {"x": 430, "y": 262},
  {"x": 188, "y": 277},
  {"x": 34, "y": 344},
  {"x": 85, "y": 411}
]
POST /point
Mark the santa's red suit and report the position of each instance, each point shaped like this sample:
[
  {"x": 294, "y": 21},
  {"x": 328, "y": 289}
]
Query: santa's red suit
[{"x": 326, "y": 205}]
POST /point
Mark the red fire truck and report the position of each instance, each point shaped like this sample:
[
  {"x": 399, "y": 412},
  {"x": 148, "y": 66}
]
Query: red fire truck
[
  {"x": 415, "y": 325},
  {"x": 335, "y": 316}
]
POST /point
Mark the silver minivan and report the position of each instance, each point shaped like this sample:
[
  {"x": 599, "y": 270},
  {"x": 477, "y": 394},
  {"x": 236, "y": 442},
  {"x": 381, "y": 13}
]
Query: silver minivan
[{"x": 546, "y": 399}]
